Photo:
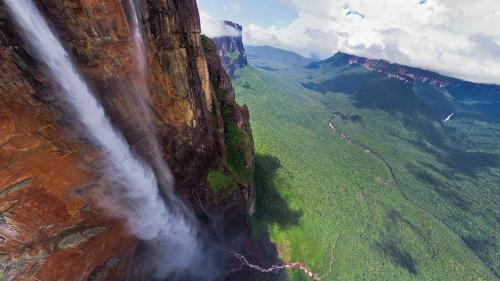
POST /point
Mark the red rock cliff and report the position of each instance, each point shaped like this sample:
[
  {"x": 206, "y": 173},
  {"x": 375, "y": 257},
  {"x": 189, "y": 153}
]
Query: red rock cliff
[{"x": 50, "y": 226}]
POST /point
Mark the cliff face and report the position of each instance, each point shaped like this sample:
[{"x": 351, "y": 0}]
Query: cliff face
[
  {"x": 231, "y": 50},
  {"x": 238, "y": 161},
  {"x": 50, "y": 225}
]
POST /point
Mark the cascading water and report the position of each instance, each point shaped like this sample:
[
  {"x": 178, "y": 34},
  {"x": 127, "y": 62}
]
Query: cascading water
[
  {"x": 142, "y": 93},
  {"x": 147, "y": 215},
  {"x": 138, "y": 40}
]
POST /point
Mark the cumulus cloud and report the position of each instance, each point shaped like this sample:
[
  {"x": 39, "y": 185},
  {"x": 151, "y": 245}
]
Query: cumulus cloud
[
  {"x": 459, "y": 38},
  {"x": 213, "y": 28}
]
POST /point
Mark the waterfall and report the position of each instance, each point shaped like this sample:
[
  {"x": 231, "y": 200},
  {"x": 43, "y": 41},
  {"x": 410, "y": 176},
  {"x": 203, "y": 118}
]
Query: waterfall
[
  {"x": 138, "y": 39},
  {"x": 142, "y": 94},
  {"x": 148, "y": 217}
]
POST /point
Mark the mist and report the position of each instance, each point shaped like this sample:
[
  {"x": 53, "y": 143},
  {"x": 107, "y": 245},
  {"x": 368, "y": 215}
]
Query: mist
[
  {"x": 161, "y": 220},
  {"x": 214, "y": 28}
]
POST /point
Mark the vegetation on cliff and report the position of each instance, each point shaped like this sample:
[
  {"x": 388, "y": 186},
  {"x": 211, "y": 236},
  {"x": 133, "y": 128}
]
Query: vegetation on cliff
[{"x": 236, "y": 168}]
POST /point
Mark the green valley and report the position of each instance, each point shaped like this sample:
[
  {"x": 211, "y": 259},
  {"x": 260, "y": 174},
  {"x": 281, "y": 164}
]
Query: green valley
[{"x": 359, "y": 177}]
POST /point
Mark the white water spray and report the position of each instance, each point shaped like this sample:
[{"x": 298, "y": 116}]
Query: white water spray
[
  {"x": 138, "y": 39},
  {"x": 147, "y": 215},
  {"x": 143, "y": 94}
]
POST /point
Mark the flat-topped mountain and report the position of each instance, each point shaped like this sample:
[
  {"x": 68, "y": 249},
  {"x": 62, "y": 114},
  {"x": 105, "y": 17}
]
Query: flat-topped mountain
[
  {"x": 231, "y": 50},
  {"x": 404, "y": 73}
]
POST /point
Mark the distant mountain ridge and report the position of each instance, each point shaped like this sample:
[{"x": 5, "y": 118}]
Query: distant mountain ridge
[
  {"x": 404, "y": 73},
  {"x": 271, "y": 59}
]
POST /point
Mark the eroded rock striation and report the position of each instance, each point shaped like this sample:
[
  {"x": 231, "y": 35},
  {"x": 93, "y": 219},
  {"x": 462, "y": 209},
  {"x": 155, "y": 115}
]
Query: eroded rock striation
[{"x": 51, "y": 227}]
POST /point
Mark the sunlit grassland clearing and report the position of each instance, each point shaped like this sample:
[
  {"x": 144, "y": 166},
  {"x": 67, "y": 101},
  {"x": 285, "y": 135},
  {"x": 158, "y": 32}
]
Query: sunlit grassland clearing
[{"x": 339, "y": 209}]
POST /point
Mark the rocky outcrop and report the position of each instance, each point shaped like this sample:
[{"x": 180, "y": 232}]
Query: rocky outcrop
[
  {"x": 231, "y": 50},
  {"x": 50, "y": 225},
  {"x": 234, "y": 132}
]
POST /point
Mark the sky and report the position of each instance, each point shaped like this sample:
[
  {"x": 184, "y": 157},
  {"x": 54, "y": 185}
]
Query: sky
[
  {"x": 459, "y": 38},
  {"x": 245, "y": 12}
]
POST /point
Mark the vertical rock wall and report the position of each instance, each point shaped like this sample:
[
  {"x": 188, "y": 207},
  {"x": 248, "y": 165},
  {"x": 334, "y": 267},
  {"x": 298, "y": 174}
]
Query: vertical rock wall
[{"x": 50, "y": 226}]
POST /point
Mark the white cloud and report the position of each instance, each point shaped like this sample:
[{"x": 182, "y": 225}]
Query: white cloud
[
  {"x": 459, "y": 38},
  {"x": 213, "y": 28}
]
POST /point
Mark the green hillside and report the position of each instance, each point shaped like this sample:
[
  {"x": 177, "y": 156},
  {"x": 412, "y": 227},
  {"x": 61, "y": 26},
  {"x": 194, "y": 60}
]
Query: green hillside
[{"x": 362, "y": 180}]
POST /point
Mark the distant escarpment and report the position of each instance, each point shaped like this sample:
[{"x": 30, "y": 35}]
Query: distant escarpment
[
  {"x": 403, "y": 73},
  {"x": 51, "y": 227},
  {"x": 231, "y": 50}
]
